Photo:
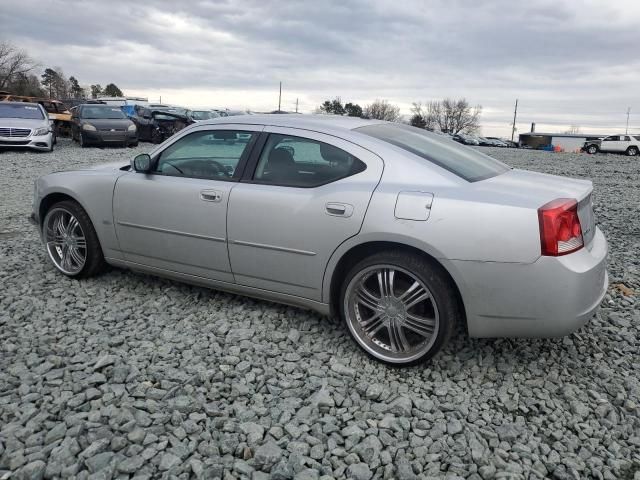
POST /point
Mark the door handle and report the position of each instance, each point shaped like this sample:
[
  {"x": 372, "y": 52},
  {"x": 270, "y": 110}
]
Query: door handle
[
  {"x": 339, "y": 209},
  {"x": 210, "y": 195}
]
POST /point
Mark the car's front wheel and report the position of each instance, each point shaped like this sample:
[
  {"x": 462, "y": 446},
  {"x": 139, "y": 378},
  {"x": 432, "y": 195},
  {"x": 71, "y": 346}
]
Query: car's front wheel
[
  {"x": 399, "y": 307},
  {"x": 632, "y": 151},
  {"x": 71, "y": 241},
  {"x": 592, "y": 149}
]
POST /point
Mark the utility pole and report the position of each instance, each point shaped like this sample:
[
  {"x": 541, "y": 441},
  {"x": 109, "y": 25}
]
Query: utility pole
[
  {"x": 280, "y": 97},
  {"x": 626, "y": 130},
  {"x": 297, "y": 108},
  {"x": 515, "y": 114}
]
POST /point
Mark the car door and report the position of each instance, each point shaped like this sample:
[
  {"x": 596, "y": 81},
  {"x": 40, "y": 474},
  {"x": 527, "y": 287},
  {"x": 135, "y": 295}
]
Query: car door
[
  {"x": 610, "y": 144},
  {"x": 625, "y": 142},
  {"x": 175, "y": 218},
  {"x": 307, "y": 193}
]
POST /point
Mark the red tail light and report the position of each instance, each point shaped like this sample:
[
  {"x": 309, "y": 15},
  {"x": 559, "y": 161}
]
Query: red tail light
[{"x": 560, "y": 230}]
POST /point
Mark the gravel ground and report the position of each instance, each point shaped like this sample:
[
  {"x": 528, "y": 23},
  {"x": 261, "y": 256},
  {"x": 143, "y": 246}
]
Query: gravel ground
[{"x": 126, "y": 375}]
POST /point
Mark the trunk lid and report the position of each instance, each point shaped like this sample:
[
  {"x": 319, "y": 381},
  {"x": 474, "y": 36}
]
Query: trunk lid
[{"x": 532, "y": 190}]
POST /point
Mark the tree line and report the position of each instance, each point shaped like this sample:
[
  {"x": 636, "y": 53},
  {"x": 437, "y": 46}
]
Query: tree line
[
  {"x": 18, "y": 76},
  {"x": 448, "y": 115}
]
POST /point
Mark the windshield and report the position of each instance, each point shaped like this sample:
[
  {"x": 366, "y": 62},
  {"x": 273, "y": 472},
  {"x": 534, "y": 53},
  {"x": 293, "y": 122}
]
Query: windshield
[
  {"x": 112, "y": 113},
  {"x": 465, "y": 162},
  {"x": 21, "y": 111},
  {"x": 202, "y": 114}
]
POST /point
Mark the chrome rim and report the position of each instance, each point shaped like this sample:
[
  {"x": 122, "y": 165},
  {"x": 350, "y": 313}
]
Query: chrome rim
[
  {"x": 65, "y": 240},
  {"x": 633, "y": 152},
  {"x": 391, "y": 313}
]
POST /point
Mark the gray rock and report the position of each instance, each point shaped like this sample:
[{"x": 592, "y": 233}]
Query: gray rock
[
  {"x": 168, "y": 461},
  {"x": 33, "y": 470},
  {"x": 253, "y": 431},
  {"x": 359, "y": 471},
  {"x": 133, "y": 464},
  {"x": 99, "y": 461},
  {"x": 267, "y": 454},
  {"x": 369, "y": 449}
]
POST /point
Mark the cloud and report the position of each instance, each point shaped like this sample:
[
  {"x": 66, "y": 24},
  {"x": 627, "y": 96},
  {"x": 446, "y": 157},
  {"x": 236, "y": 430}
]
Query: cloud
[{"x": 562, "y": 60}]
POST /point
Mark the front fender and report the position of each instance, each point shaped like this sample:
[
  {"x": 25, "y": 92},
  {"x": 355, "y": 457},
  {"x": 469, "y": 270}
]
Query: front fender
[{"x": 93, "y": 190}]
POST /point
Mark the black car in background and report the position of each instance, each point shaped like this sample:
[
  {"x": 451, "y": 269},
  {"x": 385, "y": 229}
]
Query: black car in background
[
  {"x": 157, "y": 124},
  {"x": 101, "y": 125}
]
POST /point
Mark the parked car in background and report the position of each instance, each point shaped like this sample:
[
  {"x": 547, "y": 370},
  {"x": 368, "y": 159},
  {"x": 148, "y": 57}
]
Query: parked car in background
[
  {"x": 156, "y": 125},
  {"x": 466, "y": 139},
  {"x": 202, "y": 115},
  {"x": 102, "y": 125},
  {"x": 398, "y": 231},
  {"x": 497, "y": 142},
  {"x": 25, "y": 125},
  {"x": 627, "y": 144},
  {"x": 57, "y": 111}
]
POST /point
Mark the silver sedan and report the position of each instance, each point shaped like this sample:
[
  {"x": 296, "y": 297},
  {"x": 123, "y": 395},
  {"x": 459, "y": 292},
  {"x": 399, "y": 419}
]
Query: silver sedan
[{"x": 402, "y": 233}]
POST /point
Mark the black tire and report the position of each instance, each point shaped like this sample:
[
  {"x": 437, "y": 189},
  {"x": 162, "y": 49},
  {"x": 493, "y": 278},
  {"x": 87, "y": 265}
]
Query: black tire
[
  {"x": 443, "y": 297},
  {"x": 94, "y": 259},
  {"x": 134, "y": 144},
  {"x": 592, "y": 149},
  {"x": 632, "y": 151}
]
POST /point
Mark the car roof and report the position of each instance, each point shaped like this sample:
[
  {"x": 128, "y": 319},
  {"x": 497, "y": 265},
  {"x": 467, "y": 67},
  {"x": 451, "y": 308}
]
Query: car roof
[{"x": 307, "y": 122}]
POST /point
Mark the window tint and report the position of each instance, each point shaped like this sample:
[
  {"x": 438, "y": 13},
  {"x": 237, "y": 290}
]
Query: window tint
[
  {"x": 211, "y": 154},
  {"x": 627, "y": 139},
  {"x": 465, "y": 162},
  {"x": 613, "y": 138},
  {"x": 301, "y": 162}
]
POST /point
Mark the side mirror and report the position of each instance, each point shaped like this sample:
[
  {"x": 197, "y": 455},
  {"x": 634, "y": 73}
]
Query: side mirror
[{"x": 142, "y": 163}]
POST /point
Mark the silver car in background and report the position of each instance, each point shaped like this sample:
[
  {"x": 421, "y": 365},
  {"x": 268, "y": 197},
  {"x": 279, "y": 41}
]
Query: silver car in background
[
  {"x": 25, "y": 125},
  {"x": 402, "y": 233}
]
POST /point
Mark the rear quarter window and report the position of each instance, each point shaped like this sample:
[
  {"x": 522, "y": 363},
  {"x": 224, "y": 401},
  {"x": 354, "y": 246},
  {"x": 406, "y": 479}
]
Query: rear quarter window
[{"x": 465, "y": 162}]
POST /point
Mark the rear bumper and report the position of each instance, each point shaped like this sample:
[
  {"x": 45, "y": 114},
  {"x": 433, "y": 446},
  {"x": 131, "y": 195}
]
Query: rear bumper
[
  {"x": 551, "y": 297},
  {"x": 41, "y": 142}
]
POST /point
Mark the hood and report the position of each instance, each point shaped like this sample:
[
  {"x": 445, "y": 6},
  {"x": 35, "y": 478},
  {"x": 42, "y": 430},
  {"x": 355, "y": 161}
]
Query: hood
[
  {"x": 108, "y": 124},
  {"x": 531, "y": 189},
  {"x": 23, "y": 123},
  {"x": 109, "y": 166}
]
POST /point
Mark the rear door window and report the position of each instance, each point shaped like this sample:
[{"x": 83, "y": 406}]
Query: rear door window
[
  {"x": 465, "y": 162},
  {"x": 292, "y": 161}
]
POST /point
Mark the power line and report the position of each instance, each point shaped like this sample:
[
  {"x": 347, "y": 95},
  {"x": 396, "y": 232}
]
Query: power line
[
  {"x": 628, "y": 112},
  {"x": 515, "y": 114}
]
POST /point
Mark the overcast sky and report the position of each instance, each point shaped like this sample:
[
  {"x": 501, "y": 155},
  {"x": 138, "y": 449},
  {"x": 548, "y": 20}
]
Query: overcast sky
[{"x": 568, "y": 62}]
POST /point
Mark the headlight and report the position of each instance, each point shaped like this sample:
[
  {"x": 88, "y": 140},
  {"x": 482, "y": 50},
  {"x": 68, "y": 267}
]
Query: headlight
[
  {"x": 41, "y": 131},
  {"x": 89, "y": 127},
  {"x": 132, "y": 128}
]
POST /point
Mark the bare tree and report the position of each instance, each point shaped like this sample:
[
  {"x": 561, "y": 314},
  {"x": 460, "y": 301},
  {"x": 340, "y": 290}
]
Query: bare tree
[
  {"x": 13, "y": 64},
  {"x": 382, "y": 110},
  {"x": 573, "y": 130},
  {"x": 455, "y": 116},
  {"x": 448, "y": 115},
  {"x": 425, "y": 116}
]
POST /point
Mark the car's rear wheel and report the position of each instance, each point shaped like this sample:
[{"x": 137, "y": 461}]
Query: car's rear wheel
[
  {"x": 632, "y": 151},
  {"x": 399, "y": 307},
  {"x": 592, "y": 149},
  {"x": 71, "y": 241}
]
